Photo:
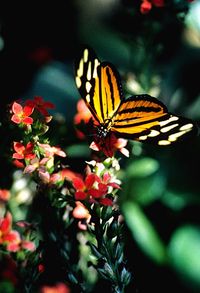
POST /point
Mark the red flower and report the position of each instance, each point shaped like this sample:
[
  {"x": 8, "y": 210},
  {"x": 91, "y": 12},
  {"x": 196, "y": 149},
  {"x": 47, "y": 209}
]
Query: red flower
[
  {"x": 109, "y": 145},
  {"x": 9, "y": 237},
  {"x": 21, "y": 114},
  {"x": 18, "y": 164},
  {"x": 83, "y": 115},
  {"x": 39, "y": 104},
  {"x": 23, "y": 152},
  {"x": 83, "y": 189},
  {"x": 80, "y": 212},
  {"x": 58, "y": 288},
  {"x": 145, "y": 7},
  {"x": 94, "y": 188},
  {"x": 41, "y": 268},
  {"x": 4, "y": 195}
]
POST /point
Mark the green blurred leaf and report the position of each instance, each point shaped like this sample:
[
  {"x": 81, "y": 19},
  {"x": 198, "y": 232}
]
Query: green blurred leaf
[
  {"x": 78, "y": 150},
  {"x": 184, "y": 252},
  {"x": 144, "y": 190},
  {"x": 143, "y": 232},
  {"x": 177, "y": 200},
  {"x": 142, "y": 167},
  {"x": 6, "y": 287}
]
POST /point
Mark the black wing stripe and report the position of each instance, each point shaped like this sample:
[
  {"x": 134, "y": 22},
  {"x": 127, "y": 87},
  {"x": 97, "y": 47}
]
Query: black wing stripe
[
  {"x": 130, "y": 124},
  {"x": 140, "y": 109},
  {"x": 111, "y": 93},
  {"x": 99, "y": 69}
]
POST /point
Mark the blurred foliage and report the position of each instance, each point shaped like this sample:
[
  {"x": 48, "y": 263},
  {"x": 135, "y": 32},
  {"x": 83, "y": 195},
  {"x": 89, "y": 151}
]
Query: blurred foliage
[{"x": 158, "y": 52}]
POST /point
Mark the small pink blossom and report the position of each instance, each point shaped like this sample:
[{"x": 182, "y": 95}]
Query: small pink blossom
[
  {"x": 81, "y": 212},
  {"x": 49, "y": 151},
  {"x": 109, "y": 145},
  {"x": 64, "y": 174}
]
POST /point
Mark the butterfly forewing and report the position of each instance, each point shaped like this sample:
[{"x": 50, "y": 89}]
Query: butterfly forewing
[
  {"x": 99, "y": 85},
  {"x": 86, "y": 78},
  {"x": 110, "y": 95}
]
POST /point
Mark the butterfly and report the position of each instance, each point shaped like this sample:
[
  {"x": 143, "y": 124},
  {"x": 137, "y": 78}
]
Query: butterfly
[{"x": 140, "y": 117}]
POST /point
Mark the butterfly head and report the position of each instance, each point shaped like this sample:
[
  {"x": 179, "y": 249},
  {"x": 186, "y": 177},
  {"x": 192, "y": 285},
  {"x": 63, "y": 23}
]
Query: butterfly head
[{"x": 102, "y": 132}]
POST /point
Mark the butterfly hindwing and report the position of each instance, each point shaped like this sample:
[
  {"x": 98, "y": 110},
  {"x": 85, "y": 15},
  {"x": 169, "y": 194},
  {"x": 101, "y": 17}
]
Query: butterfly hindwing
[{"x": 145, "y": 118}]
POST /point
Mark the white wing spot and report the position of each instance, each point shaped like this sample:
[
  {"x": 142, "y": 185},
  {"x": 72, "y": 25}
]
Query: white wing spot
[
  {"x": 187, "y": 127},
  {"x": 171, "y": 119},
  {"x": 143, "y": 137},
  {"x": 96, "y": 64},
  {"x": 78, "y": 82},
  {"x": 89, "y": 71},
  {"x": 80, "y": 70},
  {"x": 87, "y": 98},
  {"x": 88, "y": 86},
  {"x": 164, "y": 142},
  {"x": 168, "y": 128},
  {"x": 85, "y": 55},
  {"x": 174, "y": 136},
  {"x": 153, "y": 133}
]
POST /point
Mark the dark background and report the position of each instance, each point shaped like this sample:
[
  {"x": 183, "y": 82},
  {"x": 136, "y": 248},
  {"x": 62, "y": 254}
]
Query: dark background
[{"x": 40, "y": 43}]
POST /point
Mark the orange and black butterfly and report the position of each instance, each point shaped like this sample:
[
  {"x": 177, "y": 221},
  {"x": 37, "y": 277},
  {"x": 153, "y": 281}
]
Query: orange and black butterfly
[{"x": 140, "y": 117}]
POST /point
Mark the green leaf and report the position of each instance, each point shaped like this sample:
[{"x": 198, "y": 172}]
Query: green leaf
[
  {"x": 184, "y": 252},
  {"x": 6, "y": 287},
  {"x": 144, "y": 190},
  {"x": 119, "y": 253},
  {"x": 125, "y": 277},
  {"x": 72, "y": 278},
  {"x": 177, "y": 200},
  {"x": 142, "y": 167},
  {"x": 78, "y": 150},
  {"x": 95, "y": 251},
  {"x": 143, "y": 232},
  {"x": 103, "y": 274}
]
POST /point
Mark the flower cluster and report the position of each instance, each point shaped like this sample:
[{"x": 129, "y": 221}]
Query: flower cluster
[
  {"x": 94, "y": 188},
  {"x": 97, "y": 187},
  {"x": 34, "y": 154},
  {"x": 76, "y": 197}
]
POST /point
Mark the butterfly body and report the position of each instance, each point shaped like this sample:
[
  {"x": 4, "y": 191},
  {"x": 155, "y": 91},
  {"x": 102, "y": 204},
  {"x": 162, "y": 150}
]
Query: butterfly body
[{"x": 140, "y": 117}]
